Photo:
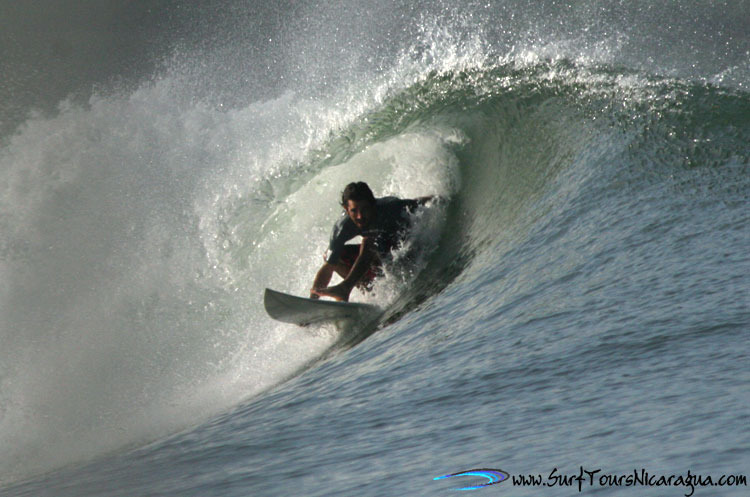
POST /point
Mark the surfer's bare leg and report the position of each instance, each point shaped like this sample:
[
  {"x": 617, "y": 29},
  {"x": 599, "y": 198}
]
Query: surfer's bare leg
[
  {"x": 322, "y": 278},
  {"x": 364, "y": 260},
  {"x": 342, "y": 269}
]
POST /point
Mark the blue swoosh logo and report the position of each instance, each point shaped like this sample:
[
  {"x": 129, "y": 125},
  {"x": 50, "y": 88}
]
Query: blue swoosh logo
[{"x": 493, "y": 476}]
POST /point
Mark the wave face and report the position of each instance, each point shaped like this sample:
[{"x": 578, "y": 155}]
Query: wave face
[{"x": 596, "y": 167}]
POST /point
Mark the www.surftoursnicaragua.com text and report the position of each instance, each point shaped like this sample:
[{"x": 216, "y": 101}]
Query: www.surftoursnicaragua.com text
[
  {"x": 637, "y": 478},
  {"x": 595, "y": 478}
]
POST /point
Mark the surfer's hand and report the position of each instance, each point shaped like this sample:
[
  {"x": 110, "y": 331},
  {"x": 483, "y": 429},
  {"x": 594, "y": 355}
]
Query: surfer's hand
[{"x": 314, "y": 296}]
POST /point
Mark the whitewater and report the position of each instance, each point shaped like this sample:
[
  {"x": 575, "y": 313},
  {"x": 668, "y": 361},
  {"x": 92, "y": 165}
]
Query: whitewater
[{"x": 581, "y": 299}]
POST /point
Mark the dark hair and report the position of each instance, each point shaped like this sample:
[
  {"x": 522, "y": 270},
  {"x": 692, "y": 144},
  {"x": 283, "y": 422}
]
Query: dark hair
[{"x": 356, "y": 191}]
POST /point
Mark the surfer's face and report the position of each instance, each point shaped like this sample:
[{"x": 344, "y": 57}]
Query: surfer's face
[{"x": 361, "y": 212}]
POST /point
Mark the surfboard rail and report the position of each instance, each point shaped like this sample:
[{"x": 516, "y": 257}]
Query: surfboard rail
[{"x": 305, "y": 311}]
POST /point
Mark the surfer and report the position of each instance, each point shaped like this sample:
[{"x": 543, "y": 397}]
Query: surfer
[{"x": 382, "y": 223}]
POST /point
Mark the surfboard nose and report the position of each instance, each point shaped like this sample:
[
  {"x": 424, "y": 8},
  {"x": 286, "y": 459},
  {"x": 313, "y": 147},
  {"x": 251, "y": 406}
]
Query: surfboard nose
[{"x": 304, "y": 311}]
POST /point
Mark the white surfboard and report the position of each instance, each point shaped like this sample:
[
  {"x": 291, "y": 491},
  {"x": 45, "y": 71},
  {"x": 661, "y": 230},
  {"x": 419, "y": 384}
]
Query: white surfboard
[{"x": 302, "y": 311}]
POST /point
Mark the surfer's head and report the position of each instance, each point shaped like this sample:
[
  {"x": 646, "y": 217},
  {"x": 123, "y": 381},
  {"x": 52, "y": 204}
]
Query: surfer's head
[
  {"x": 357, "y": 191},
  {"x": 359, "y": 203}
]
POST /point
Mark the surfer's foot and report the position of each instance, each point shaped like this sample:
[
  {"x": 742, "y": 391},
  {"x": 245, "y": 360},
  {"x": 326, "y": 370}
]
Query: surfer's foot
[{"x": 339, "y": 292}]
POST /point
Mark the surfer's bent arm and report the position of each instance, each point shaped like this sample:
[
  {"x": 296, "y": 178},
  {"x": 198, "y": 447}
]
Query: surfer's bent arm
[
  {"x": 351, "y": 277},
  {"x": 322, "y": 278},
  {"x": 361, "y": 265}
]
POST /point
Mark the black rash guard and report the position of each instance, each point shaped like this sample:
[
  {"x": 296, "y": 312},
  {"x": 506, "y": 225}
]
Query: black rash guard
[{"x": 387, "y": 229}]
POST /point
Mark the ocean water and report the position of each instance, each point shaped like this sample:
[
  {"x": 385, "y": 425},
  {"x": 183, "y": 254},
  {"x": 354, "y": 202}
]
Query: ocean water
[{"x": 579, "y": 310}]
